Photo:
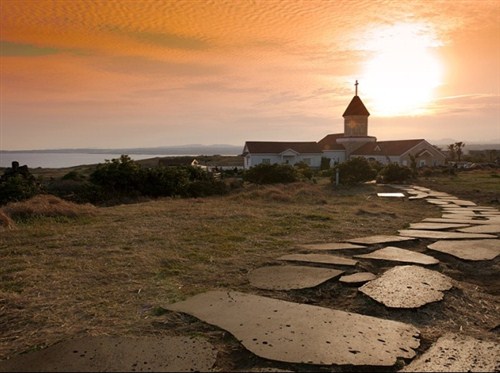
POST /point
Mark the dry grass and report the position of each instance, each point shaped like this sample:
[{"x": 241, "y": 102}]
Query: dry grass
[
  {"x": 6, "y": 222},
  {"x": 107, "y": 273},
  {"x": 45, "y": 205}
]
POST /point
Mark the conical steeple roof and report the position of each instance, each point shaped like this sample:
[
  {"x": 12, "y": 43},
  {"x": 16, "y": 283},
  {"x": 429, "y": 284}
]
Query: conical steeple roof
[{"x": 356, "y": 107}]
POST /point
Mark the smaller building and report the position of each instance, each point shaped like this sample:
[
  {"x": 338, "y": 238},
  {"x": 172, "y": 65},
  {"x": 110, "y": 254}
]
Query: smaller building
[{"x": 272, "y": 152}]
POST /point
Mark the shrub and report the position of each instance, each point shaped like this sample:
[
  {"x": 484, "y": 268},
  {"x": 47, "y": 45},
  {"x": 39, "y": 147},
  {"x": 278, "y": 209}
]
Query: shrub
[
  {"x": 271, "y": 174},
  {"x": 17, "y": 188},
  {"x": 118, "y": 176},
  {"x": 304, "y": 171},
  {"x": 355, "y": 170},
  {"x": 394, "y": 173}
]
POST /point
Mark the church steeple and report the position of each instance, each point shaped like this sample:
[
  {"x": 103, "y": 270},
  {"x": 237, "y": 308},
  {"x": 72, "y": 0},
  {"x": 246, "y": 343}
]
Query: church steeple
[
  {"x": 356, "y": 116},
  {"x": 355, "y": 125}
]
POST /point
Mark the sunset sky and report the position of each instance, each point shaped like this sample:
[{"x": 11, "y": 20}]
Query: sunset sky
[{"x": 137, "y": 73}]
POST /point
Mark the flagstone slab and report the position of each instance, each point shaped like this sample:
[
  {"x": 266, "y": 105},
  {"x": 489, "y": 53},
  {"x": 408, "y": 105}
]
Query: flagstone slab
[
  {"x": 437, "y": 226},
  {"x": 456, "y": 215},
  {"x": 357, "y": 278},
  {"x": 458, "y": 353},
  {"x": 301, "y": 333},
  {"x": 391, "y": 195},
  {"x": 118, "y": 354},
  {"x": 373, "y": 240},
  {"x": 423, "y": 189},
  {"x": 331, "y": 246},
  {"x": 319, "y": 258},
  {"x": 290, "y": 277},
  {"x": 458, "y": 220},
  {"x": 486, "y": 228},
  {"x": 442, "y": 235},
  {"x": 418, "y": 196},
  {"x": 437, "y": 202},
  {"x": 461, "y": 202},
  {"x": 469, "y": 249},
  {"x": 396, "y": 254},
  {"x": 407, "y": 287}
]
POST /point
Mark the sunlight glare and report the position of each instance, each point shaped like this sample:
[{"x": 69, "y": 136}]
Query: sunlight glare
[{"x": 401, "y": 77}]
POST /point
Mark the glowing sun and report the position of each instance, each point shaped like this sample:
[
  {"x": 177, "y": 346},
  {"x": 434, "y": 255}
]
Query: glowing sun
[{"x": 401, "y": 77}]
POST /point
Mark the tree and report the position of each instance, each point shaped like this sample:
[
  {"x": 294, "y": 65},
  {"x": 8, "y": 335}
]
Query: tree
[
  {"x": 451, "y": 152},
  {"x": 458, "y": 149},
  {"x": 356, "y": 170}
]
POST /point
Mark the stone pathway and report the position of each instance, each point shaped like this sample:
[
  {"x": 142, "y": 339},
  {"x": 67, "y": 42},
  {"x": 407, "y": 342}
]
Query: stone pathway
[
  {"x": 299, "y": 333},
  {"x": 290, "y": 332}
]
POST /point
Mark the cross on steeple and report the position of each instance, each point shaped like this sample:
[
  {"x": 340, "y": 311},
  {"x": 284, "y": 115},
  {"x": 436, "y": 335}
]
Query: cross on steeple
[{"x": 356, "y": 85}]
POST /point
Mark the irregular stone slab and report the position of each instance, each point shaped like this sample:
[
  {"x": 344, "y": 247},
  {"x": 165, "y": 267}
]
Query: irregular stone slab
[
  {"x": 459, "y": 212},
  {"x": 357, "y": 278},
  {"x": 461, "y": 202},
  {"x": 391, "y": 195},
  {"x": 118, "y": 354},
  {"x": 331, "y": 246},
  {"x": 486, "y": 228},
  {"x": 373, "y": 240},
  {"x": 423, "y": 189},
  {"x": 407, "y": 287},
  {"x": 458, "y": 353},
  {"x": 437, "y": 202},
  {"x": 290, "y": 277},
  {"x": 319, "y": 258},
  {"x": 458, "y": 220},
  {"x": 301, "y": 333},
  {"x": 455, "y": 215},
  {"x": 437, "y": 226},
  {"x": 396, "y": 254},
  {"x": 418, "y": 196},
  {"x": 442, "y": 235},
  {"x": 433, "y": 193},
  {"x": 469, "y": 249}
]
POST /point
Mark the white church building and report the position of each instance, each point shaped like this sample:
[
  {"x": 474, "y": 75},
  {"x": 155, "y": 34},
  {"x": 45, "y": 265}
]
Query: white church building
[{"x": 339, "y": 147}]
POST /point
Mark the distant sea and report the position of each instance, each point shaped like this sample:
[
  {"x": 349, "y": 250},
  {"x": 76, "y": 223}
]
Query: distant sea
[{"x": 60, "y": 160}]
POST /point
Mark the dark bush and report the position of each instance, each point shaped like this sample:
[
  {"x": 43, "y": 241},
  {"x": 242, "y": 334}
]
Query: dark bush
[
  {"x": 355, "y": 170},
  {"x": 271, "y": 174},
  {"x": 394, "y": 173},
  {"x": 18, "y": 188}
]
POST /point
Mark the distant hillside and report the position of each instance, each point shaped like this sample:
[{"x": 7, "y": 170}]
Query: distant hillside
[{"x": 192, "y": 149}]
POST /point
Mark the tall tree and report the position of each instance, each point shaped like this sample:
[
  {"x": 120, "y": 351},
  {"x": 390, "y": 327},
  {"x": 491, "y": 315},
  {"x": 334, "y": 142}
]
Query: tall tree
[
  {"x": 458, "y": 149},
  {"x": 451, "y": 152}
]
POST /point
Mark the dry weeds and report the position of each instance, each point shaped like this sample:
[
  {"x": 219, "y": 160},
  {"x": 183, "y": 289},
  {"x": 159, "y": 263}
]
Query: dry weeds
[{"x": 45, "y": 205}]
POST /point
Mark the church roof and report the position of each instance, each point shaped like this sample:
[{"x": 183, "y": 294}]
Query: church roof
[
  {"x": 356, "y": 107},
  {"x": 329, "y": 142},
  {"x": 388, "y": 148},
  {"x": 280, "y": 146}
]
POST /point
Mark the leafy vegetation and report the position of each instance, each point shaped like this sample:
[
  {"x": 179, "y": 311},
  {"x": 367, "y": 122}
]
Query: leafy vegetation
[
  {"x": 356, "y": 170},
  {"x": 271, "y": 174}
]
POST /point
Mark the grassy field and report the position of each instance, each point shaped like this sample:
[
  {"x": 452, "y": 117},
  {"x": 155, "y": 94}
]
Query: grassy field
[{"x": 109, "y": 270}]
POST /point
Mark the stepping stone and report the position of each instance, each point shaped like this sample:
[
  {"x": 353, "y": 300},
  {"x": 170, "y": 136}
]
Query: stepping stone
[
  {"x": 423, "y": 189},
  {"x": 319, "y": 258},
  {"x": 459, "y": 212},
  {"x": 407, "y": 287},
  {"x": 437, "y": 202},
  {"x": 118, "y": 354},
  {"x": 373, "y": 240},
  {"x": 461, "y": 202},
  {"x": 458, "y": 221},
  {"x": 433, "y": 193},
  {"x": 301, "y": 333},
  {"x": 469, "y": 250},
  {"x": 357, "y": 278},
  {"x": 290, "y": 277},
  {"x": 437, "y": 226},
  {"x": 396, "y": 254},
  {"x": 442, "y": 235},
  {"x": 331, "y": 246},
  {"x": 391, "y": 195},
  {"x": 458, "y": 353},
  {"x": 486, "y": 228},
  {"x": 418, "y": 196},
  {"x": 459, "y": 216}
]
